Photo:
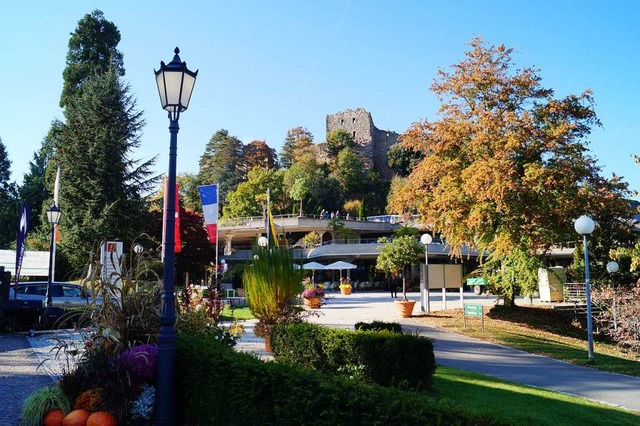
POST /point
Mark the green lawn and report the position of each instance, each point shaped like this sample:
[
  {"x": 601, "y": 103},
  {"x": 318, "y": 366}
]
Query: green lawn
[
  {"x": 540, "y": 331},
  {"x": 236, "y": 314},
  {"x": 523, "y": 405}
]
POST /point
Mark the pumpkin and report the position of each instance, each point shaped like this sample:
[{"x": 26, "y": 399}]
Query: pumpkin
[
  {"x": 53, "y": 418},
  {"x": 101, "y": 418},
  {"x": 76, "y": 418}
]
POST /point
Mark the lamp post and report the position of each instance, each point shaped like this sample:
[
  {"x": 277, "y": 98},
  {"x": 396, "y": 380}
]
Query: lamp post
[
  {"x": 424, "y": 294},
  {"x": 175, "y": 86},
  {"x": 612, "y": 268},
  {"x": 53, "y": 217},
  {"x": 584, "y": 226}
]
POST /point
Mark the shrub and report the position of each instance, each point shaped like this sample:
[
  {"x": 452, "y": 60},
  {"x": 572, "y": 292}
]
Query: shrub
[
  {"x": 231, "y": 388},
  {"x": 41, "y": 402},
  {"x": 380, "y": 357},
  {"x": 393, "y": 327}
]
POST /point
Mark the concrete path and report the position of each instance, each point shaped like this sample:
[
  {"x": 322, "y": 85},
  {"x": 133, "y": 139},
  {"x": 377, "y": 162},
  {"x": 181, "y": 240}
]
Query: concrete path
[{"x": 462, "y": 352}]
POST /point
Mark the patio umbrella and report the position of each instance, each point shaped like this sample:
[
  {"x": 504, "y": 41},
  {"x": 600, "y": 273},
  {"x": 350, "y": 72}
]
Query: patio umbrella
[
  {"x": 313, "y": 266},
  {"x": 340, "y": 265}
]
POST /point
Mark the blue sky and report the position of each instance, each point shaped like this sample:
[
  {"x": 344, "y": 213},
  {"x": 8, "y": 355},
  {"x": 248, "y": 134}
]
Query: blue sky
[{"x": 266, "y": 67}]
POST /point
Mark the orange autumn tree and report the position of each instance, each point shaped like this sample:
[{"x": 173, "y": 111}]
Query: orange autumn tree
[{"x": 506, "y": 166}]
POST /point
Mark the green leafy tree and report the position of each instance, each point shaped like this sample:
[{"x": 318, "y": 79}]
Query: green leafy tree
[
  {"x": 250, "y": 199},
  {"x": 402, "y": 160},
  {"x": 298, "y": 178},
  {"x": 350, "y": 172},
  {"x": 337, "y": 140},
  {"x": 397, "y": 255},
  {"x": 102, "y": 186},
  {"x": 92, "y": 50},
  {"x": 221, "y": 163},
  {"x": 9, "y": 208},
  {"x": 189, "y": 196},
  {"x": 506, "y": 167},
  {"x": 298, "y": 142}
]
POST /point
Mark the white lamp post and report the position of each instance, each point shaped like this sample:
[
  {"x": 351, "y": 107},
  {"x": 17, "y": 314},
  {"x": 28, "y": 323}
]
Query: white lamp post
[
  {"x": 612, "y": 268},
  {"x": 425, "y": 239},
  {"x": 584, "y": 226},
  {"x": 175, "y": 85}
]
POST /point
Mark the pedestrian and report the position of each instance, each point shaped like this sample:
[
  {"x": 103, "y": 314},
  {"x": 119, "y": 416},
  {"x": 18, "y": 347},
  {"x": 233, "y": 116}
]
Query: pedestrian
[
  {"x": 348, "y": 216},
  {"x": 322, "y": 214},
  {"x": 393, "y": 286},
  {"x": 333, "y": 215}
]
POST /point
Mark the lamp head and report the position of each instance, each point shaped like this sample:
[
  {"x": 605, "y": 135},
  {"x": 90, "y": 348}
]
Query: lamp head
[
  {"x": 612, "y": 267},
  {"x": 426, "y": 239},
  {"x": 584, "y": 225},
  {"x": 263, "y": 242},
  {"x": 53, "y": 215},
  {"x": 138, "y": 248},
  {"x": 175, "y": 85}
]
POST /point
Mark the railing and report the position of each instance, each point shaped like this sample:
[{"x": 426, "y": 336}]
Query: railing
[{"x": 574, "y": 292}]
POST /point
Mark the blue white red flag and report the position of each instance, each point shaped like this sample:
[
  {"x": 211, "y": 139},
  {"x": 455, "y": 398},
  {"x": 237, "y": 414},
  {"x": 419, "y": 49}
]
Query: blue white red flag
[
  {"x": 209, "y": 197},
  {"x": 21, "y": 241}
]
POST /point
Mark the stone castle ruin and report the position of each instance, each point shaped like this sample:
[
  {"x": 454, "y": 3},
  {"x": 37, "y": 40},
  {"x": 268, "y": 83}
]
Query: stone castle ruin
[{"x": 372, "y": 143}]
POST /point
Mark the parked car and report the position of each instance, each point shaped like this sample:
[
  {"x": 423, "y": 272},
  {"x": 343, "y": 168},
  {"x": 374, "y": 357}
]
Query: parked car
[{"x": 63, "y": 295}]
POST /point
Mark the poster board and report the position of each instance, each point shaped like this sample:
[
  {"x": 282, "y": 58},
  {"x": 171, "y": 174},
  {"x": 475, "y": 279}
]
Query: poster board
[
  {"x": 34, "y": 264},
  {"x": 110, "y": 254},
  {"x": 445, "y": 276}
]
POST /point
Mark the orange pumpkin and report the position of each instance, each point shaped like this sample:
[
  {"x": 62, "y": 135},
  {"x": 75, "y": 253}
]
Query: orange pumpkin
[
  {"x": 76, "y": 418},
  {"x": 101, "y": 418},
  {"x": 53, "y": 418}
]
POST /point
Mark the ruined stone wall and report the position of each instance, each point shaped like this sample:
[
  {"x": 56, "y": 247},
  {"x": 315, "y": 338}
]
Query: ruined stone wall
[{"x": 372, "y": 143}]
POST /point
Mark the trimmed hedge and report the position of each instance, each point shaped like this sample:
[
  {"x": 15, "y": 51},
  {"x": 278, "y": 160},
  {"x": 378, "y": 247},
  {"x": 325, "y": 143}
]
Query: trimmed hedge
[
  {"x": 383, "y": 358},
  {"x": 217, "y": 386},
  {"x": 393, "y": 327}
]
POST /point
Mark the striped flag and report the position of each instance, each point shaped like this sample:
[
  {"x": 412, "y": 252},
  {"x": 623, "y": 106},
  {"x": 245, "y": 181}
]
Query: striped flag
[
  {"x": 21, "y": 242},
  {"x": 209, "y": 197}
]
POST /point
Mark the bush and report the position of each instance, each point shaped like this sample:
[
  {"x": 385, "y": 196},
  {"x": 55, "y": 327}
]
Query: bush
[
  {"x": 217, "y": 386},
  {"x": 393, "y": 327},
  {"x": 380, "y": 357}
]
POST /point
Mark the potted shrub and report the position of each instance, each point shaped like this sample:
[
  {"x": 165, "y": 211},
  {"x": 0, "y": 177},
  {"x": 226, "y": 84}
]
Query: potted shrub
[
  {"x": 313, "y": 296},
  {"x": 345, "y": 287},
  {"x": 396, "y": 256},
  {"x": 272, "y": 284}
]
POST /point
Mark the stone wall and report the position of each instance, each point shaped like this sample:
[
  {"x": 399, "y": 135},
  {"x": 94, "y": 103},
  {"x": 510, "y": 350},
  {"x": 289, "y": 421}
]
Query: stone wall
[{"x": 372, "y": 143}]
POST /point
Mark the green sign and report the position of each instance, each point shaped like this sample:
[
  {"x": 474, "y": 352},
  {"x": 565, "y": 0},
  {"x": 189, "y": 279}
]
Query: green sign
[{"x": 473, "y": 310}]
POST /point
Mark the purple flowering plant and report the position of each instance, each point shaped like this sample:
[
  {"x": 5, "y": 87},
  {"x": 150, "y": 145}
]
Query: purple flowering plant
[
  {"x": 315, "y": 291},
  {"x": 140, "y": 361}
]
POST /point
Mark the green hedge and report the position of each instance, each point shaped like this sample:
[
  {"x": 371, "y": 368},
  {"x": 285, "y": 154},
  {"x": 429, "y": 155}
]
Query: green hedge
[
  {"x": 217, "y": 386},
  {"x": 383, "y": 358},
  {"x": 393, "y": 327}
]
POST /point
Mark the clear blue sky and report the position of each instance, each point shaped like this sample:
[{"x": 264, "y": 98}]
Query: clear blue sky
[{"x": 266, "y": 67}]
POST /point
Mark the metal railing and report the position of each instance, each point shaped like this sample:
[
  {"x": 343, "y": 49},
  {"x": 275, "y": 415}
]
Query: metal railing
[{"x": 574, "y": 292}]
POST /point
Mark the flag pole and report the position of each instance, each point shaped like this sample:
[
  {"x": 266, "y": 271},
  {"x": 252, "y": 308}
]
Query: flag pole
[
  {"x": 216, "y": 268},
  {"x": 56, "y": 202},
  {"x": 268, "y": 215}
]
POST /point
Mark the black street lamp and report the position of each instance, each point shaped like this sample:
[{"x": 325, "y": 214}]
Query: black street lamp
[
  {"x": 175, "y": 85},
  {"x": 53, "y": 217}
]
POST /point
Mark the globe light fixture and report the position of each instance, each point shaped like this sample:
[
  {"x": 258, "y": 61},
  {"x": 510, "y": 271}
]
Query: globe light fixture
[
  {"x": 584, "y": 226},
  {"x": 175, "y": 85},
  {"x": 263, "y": 242}
]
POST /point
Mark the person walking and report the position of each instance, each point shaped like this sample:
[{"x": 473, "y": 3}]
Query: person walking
[{"x": 393, "y": 287}]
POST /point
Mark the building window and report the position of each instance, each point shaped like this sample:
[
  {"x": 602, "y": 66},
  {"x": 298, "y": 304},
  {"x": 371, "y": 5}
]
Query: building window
[
  {"x": 353, "y": 120},
  {"x": 354, "y": 134},
  {"x": 342, "y": 122}
]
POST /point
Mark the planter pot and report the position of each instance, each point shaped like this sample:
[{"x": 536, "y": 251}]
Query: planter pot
[
  {"x": 405, "y": 307},
  {"x": 346, "y": 291},
  {"x": 312, "y": 302}
]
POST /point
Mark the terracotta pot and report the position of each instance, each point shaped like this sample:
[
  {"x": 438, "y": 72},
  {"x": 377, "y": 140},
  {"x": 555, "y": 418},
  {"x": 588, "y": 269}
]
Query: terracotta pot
[
  {"x": 346, "y": 291},
  {"x": 312, "y": 302},
  {"x": 267, "y": 342},
  {"x": 405, "y": 307}
]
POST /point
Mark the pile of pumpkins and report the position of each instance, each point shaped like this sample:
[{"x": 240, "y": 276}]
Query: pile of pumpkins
[{"x": 79, "y": 417}]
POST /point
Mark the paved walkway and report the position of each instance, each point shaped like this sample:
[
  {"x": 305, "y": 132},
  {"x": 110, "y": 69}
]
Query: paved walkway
[{"x": 455, "y": 350}]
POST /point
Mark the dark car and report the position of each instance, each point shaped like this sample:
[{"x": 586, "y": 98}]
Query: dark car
[{"x": 63, "y": 294}]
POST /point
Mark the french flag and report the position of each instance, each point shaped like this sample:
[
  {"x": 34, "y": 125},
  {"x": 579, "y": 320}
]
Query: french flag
[{"x": 209, "y": 197}]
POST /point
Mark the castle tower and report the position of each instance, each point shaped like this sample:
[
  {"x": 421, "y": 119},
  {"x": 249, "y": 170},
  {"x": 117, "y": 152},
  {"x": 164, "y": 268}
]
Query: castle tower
[{"x": 372, "y": 143}]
